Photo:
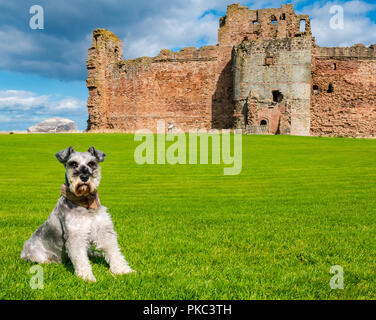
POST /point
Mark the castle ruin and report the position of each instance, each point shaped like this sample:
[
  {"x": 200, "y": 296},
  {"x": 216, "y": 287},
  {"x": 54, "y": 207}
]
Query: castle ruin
[{"x": 266, "y": 75}]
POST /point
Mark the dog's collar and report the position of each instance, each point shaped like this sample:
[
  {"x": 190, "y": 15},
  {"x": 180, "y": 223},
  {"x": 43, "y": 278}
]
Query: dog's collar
[{"x": 89, "y": 202}]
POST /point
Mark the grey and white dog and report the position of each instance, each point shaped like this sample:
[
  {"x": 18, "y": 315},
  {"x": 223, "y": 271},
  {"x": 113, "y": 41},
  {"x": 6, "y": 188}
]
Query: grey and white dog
[{"x": 78, "y": 221}]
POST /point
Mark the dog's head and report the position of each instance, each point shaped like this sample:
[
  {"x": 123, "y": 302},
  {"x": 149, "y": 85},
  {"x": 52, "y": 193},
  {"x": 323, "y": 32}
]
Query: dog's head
[{"x": 83, "y": 173}]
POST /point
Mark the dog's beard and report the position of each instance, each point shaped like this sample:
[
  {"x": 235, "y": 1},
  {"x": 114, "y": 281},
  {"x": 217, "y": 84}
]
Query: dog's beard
[{"x": 82, "y": 189}]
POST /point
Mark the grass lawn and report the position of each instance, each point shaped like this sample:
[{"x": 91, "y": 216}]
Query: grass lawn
[{"x": 299, "y": 206}]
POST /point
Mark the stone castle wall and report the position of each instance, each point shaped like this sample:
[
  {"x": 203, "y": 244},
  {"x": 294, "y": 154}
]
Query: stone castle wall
[
  {"x": 134, "y": 94},
  {"x": 344, "y": 92},
  {"x": 260, "y": 53},
  {"x": 277, "y": 91}
]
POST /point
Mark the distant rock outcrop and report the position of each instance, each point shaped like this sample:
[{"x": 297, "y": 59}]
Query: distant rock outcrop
[{"x": 54, "y": 125}]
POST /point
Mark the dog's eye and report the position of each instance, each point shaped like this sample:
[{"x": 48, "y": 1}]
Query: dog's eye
[
  {"x": 91, "y": 164},
  {"x": 73, "y": 164}
]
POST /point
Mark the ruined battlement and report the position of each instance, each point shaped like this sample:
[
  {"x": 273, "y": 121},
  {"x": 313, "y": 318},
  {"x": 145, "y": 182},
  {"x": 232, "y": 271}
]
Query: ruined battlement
[
  {"x": 205, "y": 53},
  {"x": 358, "y": 51},
  {"x": 266, "y": 71},
  {"x": 188, "y": 54},
  {"x": 242, "y": 23}
]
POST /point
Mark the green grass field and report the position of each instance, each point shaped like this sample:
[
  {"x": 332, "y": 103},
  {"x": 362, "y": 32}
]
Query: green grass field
[{"x": 299, "y": 206}]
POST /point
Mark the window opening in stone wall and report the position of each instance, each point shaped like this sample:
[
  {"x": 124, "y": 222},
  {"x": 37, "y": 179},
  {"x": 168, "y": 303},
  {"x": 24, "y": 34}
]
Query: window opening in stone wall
[
  {"x": 269, "y": 60},
  {"x": 334, "y": 66},
  {"x": 274, "y": 21},
  {"x": 302, "y": 25},
  {"x": 255, "y": 22},
  {"x": 315, "y": 89},
  {"x": 330, "y": 88},
  {"x": 277, "y": 96},
  {"x": 263, "y": 122},
  {"x": 283, "y": 16}
]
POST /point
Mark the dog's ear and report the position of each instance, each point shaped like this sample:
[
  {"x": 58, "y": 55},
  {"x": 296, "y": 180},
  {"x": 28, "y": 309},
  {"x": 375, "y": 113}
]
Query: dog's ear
[
  {"x": 97, "y": 154},
  {"x": 64, "y": 155}
]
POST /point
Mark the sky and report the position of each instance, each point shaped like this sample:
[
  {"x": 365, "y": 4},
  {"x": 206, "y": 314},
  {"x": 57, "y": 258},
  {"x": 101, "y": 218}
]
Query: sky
[{"x": 43, "y": 71}]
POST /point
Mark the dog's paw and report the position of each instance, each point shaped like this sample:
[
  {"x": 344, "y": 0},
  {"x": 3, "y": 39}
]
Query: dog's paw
[
  {"x": 87, "y": 277},
  {"x": 121, "y": 269}
]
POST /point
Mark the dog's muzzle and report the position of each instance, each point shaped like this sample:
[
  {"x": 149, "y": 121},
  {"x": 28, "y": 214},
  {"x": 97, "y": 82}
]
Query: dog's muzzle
[{"x": 82, "y": 185}]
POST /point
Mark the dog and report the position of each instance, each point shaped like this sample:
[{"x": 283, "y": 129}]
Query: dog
[{"x": 78, "y": 221}]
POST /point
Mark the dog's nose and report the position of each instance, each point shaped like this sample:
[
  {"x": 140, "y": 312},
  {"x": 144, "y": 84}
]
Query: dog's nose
[{"x": 84, "y": 178}]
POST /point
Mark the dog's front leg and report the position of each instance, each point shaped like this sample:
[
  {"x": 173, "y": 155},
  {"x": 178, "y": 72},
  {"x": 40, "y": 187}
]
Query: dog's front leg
[
  {"x": 107, "y": 243},
  {"x": 77, "y": 247}
]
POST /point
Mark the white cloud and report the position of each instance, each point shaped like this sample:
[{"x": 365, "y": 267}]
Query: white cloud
[
  {"x": 5, "y": 118},
  {"x": 358, "y": 28},
  {"x": 21, "y": 100},
  {"x": 25, "y": 100},
  {"x": 26, "y": 107},
  {"x": 183, "y": 25},
  {"x": 146, "y": 27},
  {"x": 14, "y": 41},
  {"x": 176, "y": 28},
  {"x": 67, "y": 105},
  {"x": 170, "y": 33}
]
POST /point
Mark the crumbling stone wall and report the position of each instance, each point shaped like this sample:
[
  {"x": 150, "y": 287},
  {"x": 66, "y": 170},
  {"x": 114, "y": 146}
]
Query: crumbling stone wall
[
  {"x": 266, "y": 68},
  {"x": 135, "y": 94},
  {"x": 344, "y": 92},
  {"x": 105, "y": 53},
  {"x": 190, "y": 89},
  {"x": 242, "y": 23}
]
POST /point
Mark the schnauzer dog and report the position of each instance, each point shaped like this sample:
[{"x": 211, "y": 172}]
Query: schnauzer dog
[{"x": 78, "y": 221}]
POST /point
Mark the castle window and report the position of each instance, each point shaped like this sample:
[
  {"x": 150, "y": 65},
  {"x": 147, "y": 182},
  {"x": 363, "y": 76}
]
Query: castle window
[
  {"x": 334, "y": 66},
  {"x": 274, "y": 21},
  {"x": 263, "y": 122},
  {"x": 302, "y": 25},
  {"x": 269, "y": 61},
  {"x": 330, "y": 88},
  {"x": 277, "y": 96},
  {"x": 255, "y": 23},
  {"x": 315, "y": 89},
  {"x": 283, "y": 16}
]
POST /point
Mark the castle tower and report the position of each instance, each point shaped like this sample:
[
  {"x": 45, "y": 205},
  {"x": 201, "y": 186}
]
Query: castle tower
[
  {"x": 102, "y": 63},
  {"x": 272, "y": 71}
]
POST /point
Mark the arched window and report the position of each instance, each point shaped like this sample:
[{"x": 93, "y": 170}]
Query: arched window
[
  {"x": 263, "y": 122},
  {"x": 330, "y": 88}
]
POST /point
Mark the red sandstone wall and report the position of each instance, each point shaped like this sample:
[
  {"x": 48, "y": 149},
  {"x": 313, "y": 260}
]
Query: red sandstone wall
[
  {"x": 350, "y": 110},
  {"x": 191, "y": 89},
  {"x": 175, "y": 87},
  {"x": 240, "y": 22},
  {"x": 194, "y": 88}
]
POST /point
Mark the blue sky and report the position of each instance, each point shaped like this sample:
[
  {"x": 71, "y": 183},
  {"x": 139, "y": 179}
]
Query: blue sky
[{"x": 42, "y": 72}]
